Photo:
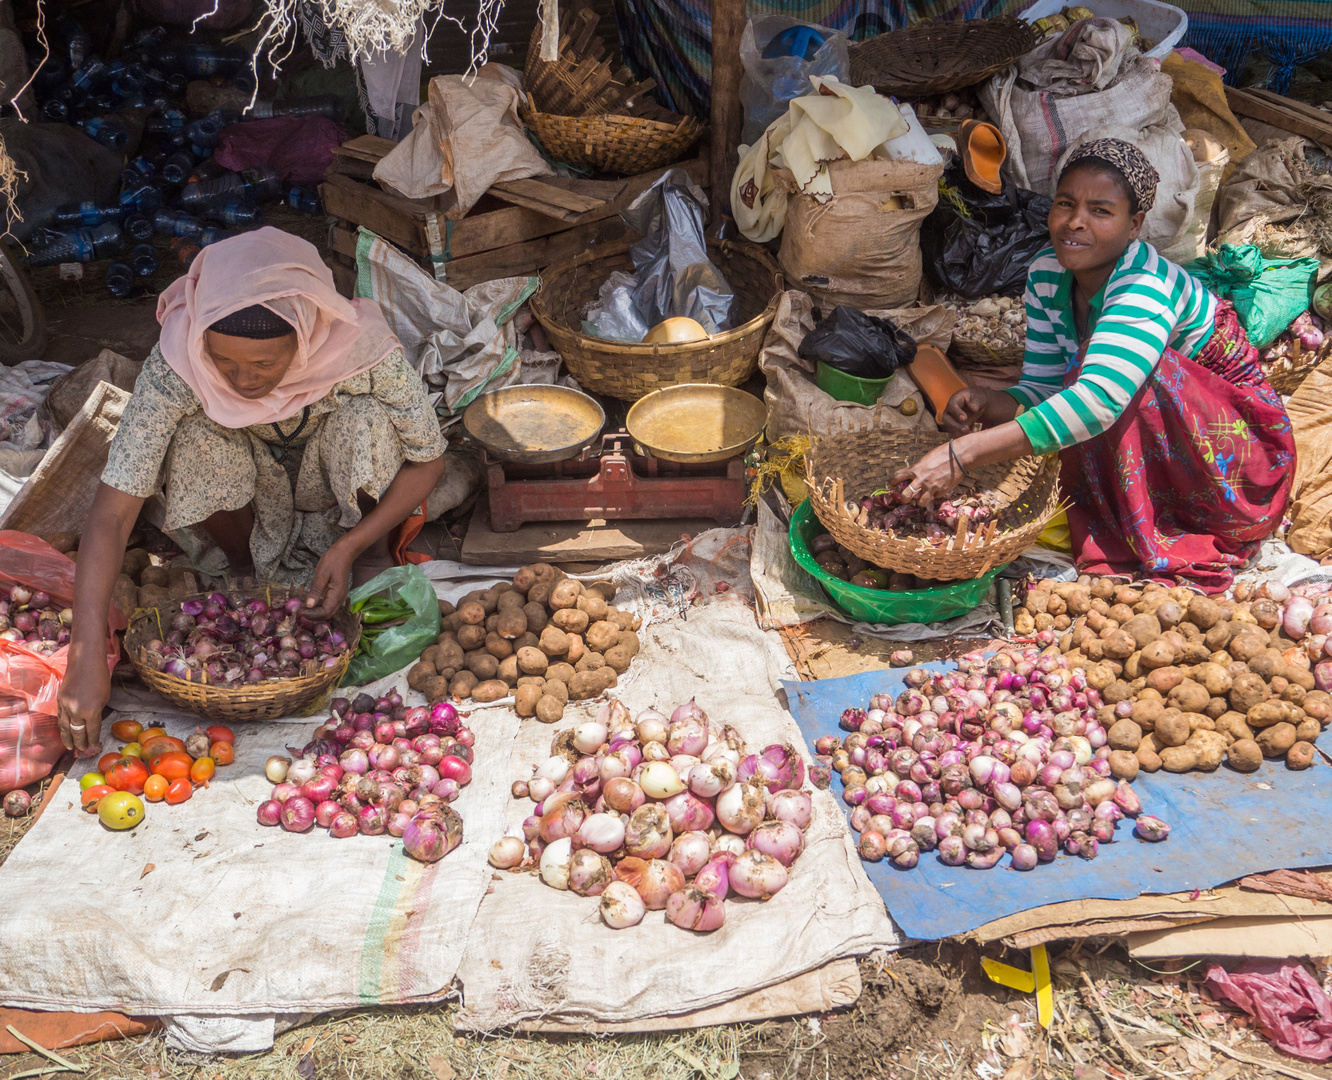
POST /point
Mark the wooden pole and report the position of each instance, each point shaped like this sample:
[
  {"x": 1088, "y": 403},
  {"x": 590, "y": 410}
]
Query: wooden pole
[{"x": 728, "y": 23}]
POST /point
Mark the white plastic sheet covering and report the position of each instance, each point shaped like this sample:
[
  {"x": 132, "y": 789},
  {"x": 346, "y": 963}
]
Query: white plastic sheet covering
[
  {"x": 537, "y": 953},
  {"x": 247, "y": 922}
]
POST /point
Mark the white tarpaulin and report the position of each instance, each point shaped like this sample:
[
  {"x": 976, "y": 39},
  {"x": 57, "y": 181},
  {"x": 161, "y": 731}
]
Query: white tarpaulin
[{"x": 537, "y": 953}]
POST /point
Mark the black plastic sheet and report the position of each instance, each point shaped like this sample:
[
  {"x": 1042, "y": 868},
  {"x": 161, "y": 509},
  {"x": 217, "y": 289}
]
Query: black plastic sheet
[{"x": 857, "y": 344}]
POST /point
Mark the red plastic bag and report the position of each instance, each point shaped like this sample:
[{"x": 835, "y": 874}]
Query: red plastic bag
[
  {"x": 1289, "y": 1005},
  {"x": 298, "y": 147},
  {"x": 29, "y": 682}
]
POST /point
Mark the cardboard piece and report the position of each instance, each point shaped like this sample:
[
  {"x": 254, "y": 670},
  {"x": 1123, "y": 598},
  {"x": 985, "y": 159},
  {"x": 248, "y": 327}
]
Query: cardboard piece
[{"x": 1240, "y": 936}]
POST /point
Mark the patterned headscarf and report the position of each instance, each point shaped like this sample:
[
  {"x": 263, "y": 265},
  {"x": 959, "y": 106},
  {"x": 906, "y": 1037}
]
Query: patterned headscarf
[{"x": 1127, "y": 160}]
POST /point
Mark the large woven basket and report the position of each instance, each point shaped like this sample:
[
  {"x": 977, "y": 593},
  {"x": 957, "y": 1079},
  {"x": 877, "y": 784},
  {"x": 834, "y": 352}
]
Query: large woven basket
[
  {"x": 628, "y": 371},
  {"x": 625, "y": 145},
  {"x": 937, "y": 57},
  {"x": 262, "y": 701},
  {"x": 581, "y": 81},
  {"x": 969, "y": 352},
  {"x": 848, "y": 465}
]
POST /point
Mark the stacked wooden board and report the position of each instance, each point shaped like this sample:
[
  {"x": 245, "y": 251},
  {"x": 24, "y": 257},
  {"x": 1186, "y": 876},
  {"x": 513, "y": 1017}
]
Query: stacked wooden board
[{"x": 518, "y": 227}]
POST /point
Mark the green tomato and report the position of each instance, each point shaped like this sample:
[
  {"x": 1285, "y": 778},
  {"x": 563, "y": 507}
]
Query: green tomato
[{"x": 91, "y": 778}]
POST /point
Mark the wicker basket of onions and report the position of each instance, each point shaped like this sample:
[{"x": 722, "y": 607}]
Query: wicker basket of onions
[{"x": 244, "y": 655}]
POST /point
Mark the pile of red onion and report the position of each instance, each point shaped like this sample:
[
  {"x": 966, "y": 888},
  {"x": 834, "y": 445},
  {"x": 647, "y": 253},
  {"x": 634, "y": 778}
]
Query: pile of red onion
[
  {"x": 1002, "y": 757},
  {"x": 234, "y": 642},
  {"x": 32, "y": 619},
  {"x": 1304, "y": 613},
  {"x": 659, "y": 814},
  {"x": 377, "y": 767},
  {"x": 937, "y": 525}
]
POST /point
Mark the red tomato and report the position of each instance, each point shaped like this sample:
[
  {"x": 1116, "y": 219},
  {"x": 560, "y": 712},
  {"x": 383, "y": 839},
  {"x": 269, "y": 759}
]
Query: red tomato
[
  {"x": 202, "y": 770},
  {"x": 155, "y": 788},
  {"x": 127, "y": 774},
  {"x": 150, "y": 748},
  {"x": 179, "y": 791},
  {"x": 173, "y": 765},
  {"x": 92, "y": 796},
  {"x": 106, "y": 761},
  {"x": 222, "y": 752},
  {"x": 220, "y": 733},
  {"x": 151, "y": 733},
  {"x": 128, "y": 730}
]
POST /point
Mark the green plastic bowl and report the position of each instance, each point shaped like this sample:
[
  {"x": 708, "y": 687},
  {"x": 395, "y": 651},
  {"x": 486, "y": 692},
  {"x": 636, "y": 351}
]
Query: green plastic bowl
[
  {"x": 846, "y": 387},
  {"x": 879, "y": 605}
]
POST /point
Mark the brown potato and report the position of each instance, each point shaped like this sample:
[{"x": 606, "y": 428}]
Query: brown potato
[
  {"x": 622, "y": 619},
  {"x": 448, "y": 654},
  {"x": 1295, "y": 694},
  {"x": 584, "y": 685},
  {"x": 151, "y": 596},
  {"x": 565, "y": 594},
  {"x": 1164, "y": 679},
  {"x": 1144, "y": 628},
  {"x": 1157, "y": 655},
  {"x": 462, "y": 684},
  {"x": 472, "y": 613},
  {"x": 508, "y": 670},
  {"x": 593, "y": 605},
  {"x": 1318, "y": 705},
  {"x": 1199, "y": 722},
  {"x": 590, "y": 661},
  {"x": 1276, "y": 740},
  {"x": 1214, "y": 677},
  {"x": 1244, "y": 755},
  {"x": 1218, "y": 637},
  {"x": 1268, "y": 713},
  {"x": 1248, "y": 690},
  {"x": 554, "y": 641},
  {"x": 1118, "y": 645},
  {"x": 618, "y": 659},
  {"x": 524, "y": 579},
  {"x": 1169, "y": 613},
  {"x": 1244, "y": 647},
  {"x": 1303, "y": 679},
  {"x": 498, "y": 647},
  {"x": 490, "y": 690},
  {"x": 1265, "y": 664},
  {"x": 489, "y": 600},
  {"x": 1210, "y": 749},
  {"x": 601, "y": 636},
  {"x": 532, "y": 661},
  {"x": 527, "y": 640},
  {"x": 1234, "y": 726},
  {"x": 561, "y": 671},
  {"x": 629, "y": 640},
  {"x": 576, "y": 649},
  {"x": 1121, "y": 613},
  {"x": 570, "y": 620},
  {"x": 525, "y": 700},
  {"x": 1307, "y": 730},
  {"x": 1203, "y": 613},
  {"x": 1116, "y": 692},
  {"x": 1172, "y": 730},
  {"x": 549, "y": 709},
  {"x": 419, "y": 673},
  {"x": 1188, "y": 696},
  {"x": 1037, "y": 601},
  {"x": 125, "y": 595},
  {"x": 1218, "y": 706},
  {"x": 481, "y": 664},
  {"x": 512, "y": 622},
  {"x": 557, "y": 689},
  {"x": 1300, "y": 756},
  {"x": 1146, "y": 713},
  {"x": 471, "y": 636},
  {"x": 450, "y": 623},
  {"x": 545, "y": 572},
  {"x": 492, "y": 623},
  {"x": 1124, "y": 735},
  {"x": 1123, "y": 765},
  {"x": 531, "y": 680},
  {"x": 539, "y": 593},
  {"x": 1179, "y": 759},
  {"x": 1045, "y": 621}
]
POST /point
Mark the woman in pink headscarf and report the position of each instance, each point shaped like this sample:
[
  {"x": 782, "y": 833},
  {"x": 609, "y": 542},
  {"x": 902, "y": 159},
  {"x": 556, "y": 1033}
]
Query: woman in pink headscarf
[{"x": 279, "y": 426}]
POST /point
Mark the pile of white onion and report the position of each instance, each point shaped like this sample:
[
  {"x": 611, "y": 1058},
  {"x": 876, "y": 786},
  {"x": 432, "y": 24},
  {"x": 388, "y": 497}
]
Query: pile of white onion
[{"x": 661, "y": 813}]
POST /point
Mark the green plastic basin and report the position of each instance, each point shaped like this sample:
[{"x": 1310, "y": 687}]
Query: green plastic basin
[
  {"x": 846, "y": 387},
  {"x": 879, "y": 605}
]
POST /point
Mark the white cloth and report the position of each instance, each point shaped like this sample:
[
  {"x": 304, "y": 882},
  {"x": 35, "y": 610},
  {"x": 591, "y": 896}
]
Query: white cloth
[
  {"x": 393, "y": 85},
  {"x": 836, "y": 121}
]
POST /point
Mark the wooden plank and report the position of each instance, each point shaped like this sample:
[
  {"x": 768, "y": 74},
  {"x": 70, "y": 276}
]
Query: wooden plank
[
  {"x": 1271, "y": 109},
  {"x": 342, "y": 239},
  {"x": 533, "y": 256},
  {"x": 575, "y": 541},
  {"x": 546, "y": 199},
  {"x": 344, "y": 276},
  {"x": 369, "y": 148}
]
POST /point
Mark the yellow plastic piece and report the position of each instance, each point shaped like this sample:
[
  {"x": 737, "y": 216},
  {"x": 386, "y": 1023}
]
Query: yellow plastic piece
[
  {"x": 1056, "y": 534},
  {"x": 1036, "y": 980}
]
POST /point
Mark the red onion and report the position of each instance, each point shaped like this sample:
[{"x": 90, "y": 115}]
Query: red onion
[
  {"x": 1127, "y": 800},
  {"x": 319, "y": 789},
  {"x": 1024, "y": 857},
  {"x": 690, "y": 852},
  {"x": 325, "y": 811},
  {"x": 688, "y": 711},
  {"x": 432, "y": 835},
  {"x": 298, "y": 814},
  {"x": 454, "y": 768},
  {"x": 343, "y": 825},
  {"x": 1151, "y": 829},
  {"x": 757, "y": 875},
  {"x": 371, "y": 820},
  {"x": 688, "y": 813},
  {"x": 284, "y": 791},
  {"x": 621, "y": 906},
  {"x": 693, "y": 909},
  {"x": 952, "y": 852},
  {"x": 589, "y": 872},
  {"x": 780, "y": 839},
  {"x": 269, "y": 812},
  {"x": 1041, "y": 836},
  {"x": 1295, "y": 619},
  {"x": 794, "y": 806},
  {"x": 653, "y": 879},
  {"x": 777, "y": 767}
]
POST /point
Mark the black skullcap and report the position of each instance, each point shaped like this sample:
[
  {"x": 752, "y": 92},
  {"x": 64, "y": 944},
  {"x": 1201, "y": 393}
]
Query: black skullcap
[{"x": 256, "y": 322}]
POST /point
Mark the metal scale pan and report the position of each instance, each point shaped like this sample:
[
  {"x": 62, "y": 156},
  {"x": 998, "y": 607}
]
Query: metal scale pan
[
  {"x": 696, "y": 423},
  {"x": 533, "y": 425}
]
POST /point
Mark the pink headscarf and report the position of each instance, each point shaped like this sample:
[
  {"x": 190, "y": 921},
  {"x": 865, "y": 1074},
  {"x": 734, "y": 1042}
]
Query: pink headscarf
[{"x": 338, "y": 338}]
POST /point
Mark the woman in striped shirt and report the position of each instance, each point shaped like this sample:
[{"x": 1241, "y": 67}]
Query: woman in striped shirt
[{"x": 1176, "y": 455}]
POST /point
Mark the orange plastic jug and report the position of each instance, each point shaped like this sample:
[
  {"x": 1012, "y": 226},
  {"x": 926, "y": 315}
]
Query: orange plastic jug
[{"x": 936, "y": 377}]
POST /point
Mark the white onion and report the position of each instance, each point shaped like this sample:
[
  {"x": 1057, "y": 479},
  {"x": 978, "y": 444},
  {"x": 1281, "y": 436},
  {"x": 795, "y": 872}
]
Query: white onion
[
  {"x": 1082, "y": 749},
  {"x": 603, "y": 833},
  {"x": 275, "y": 768},
  {"x": 659, "y": 781},
  {"x": 621, "y": 906},
  {"x": 651, "y": 726},
  {"x": 656, "y": 751},
  {"x": 728, "y": 843},
  {"x": 682, "y": 763},
  {"x": 756, "y": 875},
  {"x": 719, "y": 751},
  {"x": 298, "y": 772},
  {"x": 590, "y": 737},
  {"x": 707, "y": 780},
  {"x": 555, "y": 863},
  {"x": 554, "y": 769},
  {"x": 741, "y": 807},
  {"x": 540, "y": 789},
  {"x": 507, "y": 853}
]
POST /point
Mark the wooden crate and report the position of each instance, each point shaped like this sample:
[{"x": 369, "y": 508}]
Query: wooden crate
[{"x": 518, "y": 227}]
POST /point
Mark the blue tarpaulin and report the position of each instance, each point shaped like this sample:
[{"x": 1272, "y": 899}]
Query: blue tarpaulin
[{"x": 1223, "y": 825}]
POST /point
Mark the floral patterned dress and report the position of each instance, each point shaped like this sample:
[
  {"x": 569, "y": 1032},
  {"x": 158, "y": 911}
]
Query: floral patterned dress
[{"x": 301, "y": 475}]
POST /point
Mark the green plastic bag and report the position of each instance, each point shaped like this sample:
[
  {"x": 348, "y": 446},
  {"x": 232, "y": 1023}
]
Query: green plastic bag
[
  {"x": 399, "y": 618},
  {"x": 1267, "y": 293}
]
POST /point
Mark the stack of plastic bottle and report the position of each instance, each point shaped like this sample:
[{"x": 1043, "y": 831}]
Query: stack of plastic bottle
[{"x": 171, "y": 187}]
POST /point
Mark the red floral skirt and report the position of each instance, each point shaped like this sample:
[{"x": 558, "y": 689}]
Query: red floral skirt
[{"x": 1194, "y": 474}]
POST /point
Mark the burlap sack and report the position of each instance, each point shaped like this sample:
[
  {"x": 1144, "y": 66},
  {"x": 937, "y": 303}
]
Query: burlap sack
[
  {"x": 1270, "y": 186},
  {"x": 797, "y": 407},
  {"x": 69, "y": 392},
  {"x": 862, "y": 246},
  {"x": 1199, "y": 97},
  {"x": 1310, "y": 510}
]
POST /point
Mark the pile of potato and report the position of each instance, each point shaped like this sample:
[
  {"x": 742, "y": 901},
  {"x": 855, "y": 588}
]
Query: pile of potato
[
  {"x": 546, "y": 639},
  {"x": 1206, "y": 681}
]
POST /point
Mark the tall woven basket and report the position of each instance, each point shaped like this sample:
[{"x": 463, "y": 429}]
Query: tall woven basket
[
  {"x": 937, "y": 57},
  {"x": 848, "y": 465},
  {"x": 260, "y": 701},
  {"x": 628, "y": 371}
]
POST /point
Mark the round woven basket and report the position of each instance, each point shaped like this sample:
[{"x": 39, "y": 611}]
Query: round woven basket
[
  {"x": 628, "y": 371},
  {"x": 626, "y": 145},
  {"x": 261, "y": 701},
  {"x": 937, "y": 57},
  {"x": 848, "y": 465},
  {"x": 969, "y": 352}
]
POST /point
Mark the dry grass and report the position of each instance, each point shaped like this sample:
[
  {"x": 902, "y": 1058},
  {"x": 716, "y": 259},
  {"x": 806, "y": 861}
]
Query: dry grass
[{"x": 12, "y": 830}]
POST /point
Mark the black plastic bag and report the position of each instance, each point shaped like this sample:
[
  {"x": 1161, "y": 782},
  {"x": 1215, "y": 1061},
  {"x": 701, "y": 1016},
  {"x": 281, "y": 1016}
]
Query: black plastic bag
[
  {"x": 858, "y": 344},
  {"x": 988, "y": 253}
]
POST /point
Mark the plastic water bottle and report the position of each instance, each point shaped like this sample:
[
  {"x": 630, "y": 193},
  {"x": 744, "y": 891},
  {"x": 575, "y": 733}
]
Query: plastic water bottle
[
  {"x": 174, "y": 223},
  {"x": 212, "y": 236},
  {"x": 262, "y": 183},
  {"x": 187, "y": 253},
  {"x": 139, "y": 227},
  {"x": 323, "y": 105},
  {"x": 166, "y": 121},
  {"x": 253, "y": 185},
  {"x": 205, "y": 132},
  {"x": 206, "y": 170},
  {"x": 137, "y": 170},
  {"x": 91, "y": 74},
  {"x": 178, "y": 167},
  {"x": 143, "y": 196},
  {"x": 107, "y": 131},
  {"x": 82, "y": 245},
  {"x": 56, "y": 111},
  {"x": 143, "y": 260},
  {"x": 204, "y": 60},
  {"x": 77, "y": 39},
  {"x": 86, "y": 213},
  {"x": 304, "y": 199},
  {"x": 148, "y": 38},
  {"x": 238, "y": 215},
  {"x": 119, "y": 280}
]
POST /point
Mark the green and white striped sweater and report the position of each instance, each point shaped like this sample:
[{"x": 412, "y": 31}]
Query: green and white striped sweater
[{"x": 1148, "y": 303}]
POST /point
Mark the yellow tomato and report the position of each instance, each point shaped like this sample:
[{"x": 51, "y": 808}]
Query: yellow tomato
[
  {"x": 120, "y": 810},
  {"x": 132, "y": 750},
  {"x": 90, "y": 779}
]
